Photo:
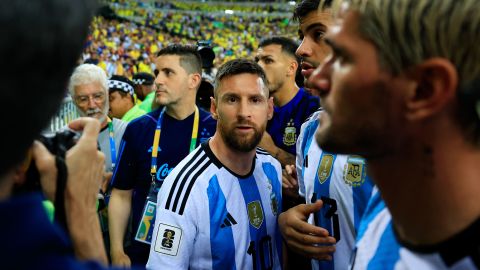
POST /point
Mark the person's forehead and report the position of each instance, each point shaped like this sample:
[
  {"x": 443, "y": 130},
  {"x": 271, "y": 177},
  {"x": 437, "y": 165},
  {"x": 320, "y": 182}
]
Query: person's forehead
[
  {"x": 88, "y": 88},
  {"x": 114, "y": 93},
  {"x": 167, "y": 60},
  {"x": 244, "y": 83},
  {"x": 271, "y": 49},
  {"x": 316, "y": 17}
]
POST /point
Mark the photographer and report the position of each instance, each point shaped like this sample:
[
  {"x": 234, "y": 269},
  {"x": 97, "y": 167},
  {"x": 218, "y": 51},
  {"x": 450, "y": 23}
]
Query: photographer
[{"x": 39, "y": 46}]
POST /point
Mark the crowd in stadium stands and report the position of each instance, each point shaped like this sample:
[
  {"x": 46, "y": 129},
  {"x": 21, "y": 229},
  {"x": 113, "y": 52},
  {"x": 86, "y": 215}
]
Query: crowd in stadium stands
[
  {"x": 219, "y": 6},
  {"x": 128, "y": 45}
]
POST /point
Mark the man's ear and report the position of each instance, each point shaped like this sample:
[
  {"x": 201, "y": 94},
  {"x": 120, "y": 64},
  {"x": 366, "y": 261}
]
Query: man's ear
[
  {"x": 213, "y": 108},
  {"x": 195, "y": 80},
  {"x": 270, "y": 108},
  {"x": 292, "y": 68},
  {"x": 436, "y": 85}
]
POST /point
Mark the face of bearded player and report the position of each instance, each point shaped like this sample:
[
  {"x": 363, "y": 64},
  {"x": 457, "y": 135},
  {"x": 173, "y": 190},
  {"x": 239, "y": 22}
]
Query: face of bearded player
[{"x": 242, "y": 109}]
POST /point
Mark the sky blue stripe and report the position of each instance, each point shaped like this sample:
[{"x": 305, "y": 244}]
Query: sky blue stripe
[
  {"x": 388, "y": 254},
  {"x": 221, "y": 239},
  {"x": 324, "y": 190},
  {"x": 361, "y": 195},
  {"x": 374, "y": 206},
  {"x": 308, "y": 137},
  {"x": 251, "y": 194},
  {"x": 271, "y": 173}
]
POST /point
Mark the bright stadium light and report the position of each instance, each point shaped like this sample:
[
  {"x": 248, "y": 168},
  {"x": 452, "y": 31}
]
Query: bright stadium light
[{"x": 228, "y": 11}]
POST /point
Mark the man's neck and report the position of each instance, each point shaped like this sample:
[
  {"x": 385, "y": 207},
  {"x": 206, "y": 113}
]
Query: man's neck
[
  {"x": 285, "y": 94},
  {"x": 431, "y": 189},
  {"x": 238, "y": 162},
  {"x": 180, "y": 111}
]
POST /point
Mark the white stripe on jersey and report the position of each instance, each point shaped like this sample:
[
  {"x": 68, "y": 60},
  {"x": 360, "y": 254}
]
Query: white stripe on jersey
[
  {"x": 215, "y": 206},
  {"x": 378, "y": 248},
  {"x": 308, "y": 161}
]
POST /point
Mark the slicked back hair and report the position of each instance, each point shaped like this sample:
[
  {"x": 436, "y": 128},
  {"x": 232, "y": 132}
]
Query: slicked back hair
[{"x": 408, "y": 32}]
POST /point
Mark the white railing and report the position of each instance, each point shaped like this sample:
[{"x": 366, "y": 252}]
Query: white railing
[{"x": 66, "y": 113}]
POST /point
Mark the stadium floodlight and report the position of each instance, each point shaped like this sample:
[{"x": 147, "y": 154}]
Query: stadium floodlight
[{"x": 228, "y": 11}]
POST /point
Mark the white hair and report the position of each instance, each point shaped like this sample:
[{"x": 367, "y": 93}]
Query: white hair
[{"x": 85, "y": 74}]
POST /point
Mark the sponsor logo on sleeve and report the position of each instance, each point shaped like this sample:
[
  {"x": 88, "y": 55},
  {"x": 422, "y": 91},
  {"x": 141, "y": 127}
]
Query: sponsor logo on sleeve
[
  {"x": 325, "y": 168},
  {"x": 168, "y": 239}
]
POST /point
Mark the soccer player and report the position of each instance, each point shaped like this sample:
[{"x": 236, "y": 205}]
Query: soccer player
[
  {"x": 218, "y": 208},
  {"x": 339, "y": 181},
  {"x": 402, "y": 89},
  {"x": 276, "y": 55}
]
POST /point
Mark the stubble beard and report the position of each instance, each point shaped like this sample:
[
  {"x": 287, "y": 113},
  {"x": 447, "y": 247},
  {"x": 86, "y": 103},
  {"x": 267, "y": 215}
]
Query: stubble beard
[{"x": 241, "y": 143}]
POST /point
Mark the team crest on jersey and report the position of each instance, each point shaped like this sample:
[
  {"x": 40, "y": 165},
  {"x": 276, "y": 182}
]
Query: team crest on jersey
[
  {"x": 355, "y": 171},
  {"x": 325, "y": 168},
  {"x": 255, "y": 214},
  {"x": 290, "y": 135},
  {"x": 273, "y": 198}
]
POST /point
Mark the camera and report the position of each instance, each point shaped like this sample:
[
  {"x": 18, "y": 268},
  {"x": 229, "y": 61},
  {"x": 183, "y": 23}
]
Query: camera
[{"x": 58, "y": 144}]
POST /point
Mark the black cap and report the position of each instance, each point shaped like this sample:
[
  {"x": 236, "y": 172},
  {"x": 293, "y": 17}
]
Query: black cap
[{"x": 143, "y": 78}]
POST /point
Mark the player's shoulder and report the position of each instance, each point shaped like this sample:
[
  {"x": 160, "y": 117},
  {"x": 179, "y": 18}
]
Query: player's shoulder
[
  {"x": 180, "y": 185},
  {"x": 313, "y": 117},
  {"x": 264, "y": 156}
]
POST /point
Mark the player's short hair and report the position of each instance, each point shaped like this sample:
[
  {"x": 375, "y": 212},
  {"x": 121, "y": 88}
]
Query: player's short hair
[
  {"x": 236, "y": 67},
  {"x": 190, "y": 59},
  {"x": 408, "y": 32},
  {"x": 304, "y": 7},
  {"x": 289, "y": 46}
]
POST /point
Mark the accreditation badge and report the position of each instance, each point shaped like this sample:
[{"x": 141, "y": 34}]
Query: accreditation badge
[{"x": 147, "y": 222}]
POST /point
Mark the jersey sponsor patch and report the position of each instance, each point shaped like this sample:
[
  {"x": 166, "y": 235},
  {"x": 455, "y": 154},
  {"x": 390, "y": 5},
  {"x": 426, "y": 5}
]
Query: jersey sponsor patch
[
  {"x": 325, "y": 168},
  {"x": 355, "y": 171},
  {"x": 255, "y": 214},
  {"x": 168, "y": 239}
]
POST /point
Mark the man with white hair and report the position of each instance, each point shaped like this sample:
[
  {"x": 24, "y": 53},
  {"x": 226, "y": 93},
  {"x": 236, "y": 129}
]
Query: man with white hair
[{"x": 89, "y": 90}]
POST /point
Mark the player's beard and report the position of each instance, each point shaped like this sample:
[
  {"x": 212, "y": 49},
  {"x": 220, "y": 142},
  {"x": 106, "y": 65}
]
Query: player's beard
[{"x": 239, "y": 142}]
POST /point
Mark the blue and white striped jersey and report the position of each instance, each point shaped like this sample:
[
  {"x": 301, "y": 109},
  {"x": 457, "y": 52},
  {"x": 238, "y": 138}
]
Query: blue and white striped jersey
[
  {"x": 340, "y": 181},
  {"x": 210, "y": 218},
  {"x": 378, "y": 248}
]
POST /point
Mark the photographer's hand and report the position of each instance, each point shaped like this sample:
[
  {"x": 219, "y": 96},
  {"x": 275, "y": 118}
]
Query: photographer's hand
[
  {"x": 45, "y": 163},
  {"x": 85, "y": 172}
]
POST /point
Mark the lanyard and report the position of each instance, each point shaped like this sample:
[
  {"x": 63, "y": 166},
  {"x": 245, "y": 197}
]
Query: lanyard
[
  {"x": 156, "y": 139},
  {"x": 112, "y": 144}
]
